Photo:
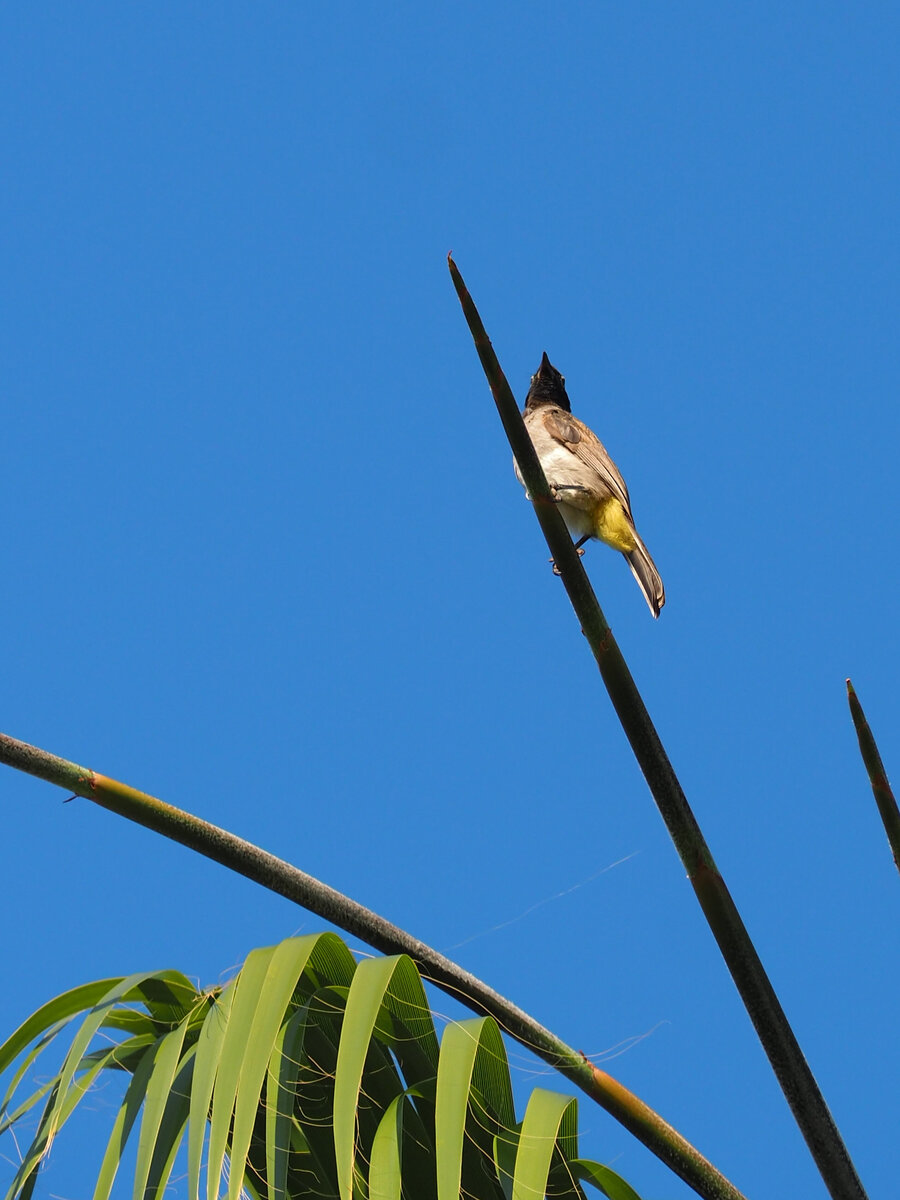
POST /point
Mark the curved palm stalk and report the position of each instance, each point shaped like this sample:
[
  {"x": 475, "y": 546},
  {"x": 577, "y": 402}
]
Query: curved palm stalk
[
  {"x": 249, "y": 860},
  {"x": 884, "y": 797},
  {"x": 791, "y": 1068},
  {"x": 306, "y": 1074}
]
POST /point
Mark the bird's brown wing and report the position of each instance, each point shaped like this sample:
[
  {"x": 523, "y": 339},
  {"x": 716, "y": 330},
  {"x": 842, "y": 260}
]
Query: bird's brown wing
[{"x": 585, "y": 445}]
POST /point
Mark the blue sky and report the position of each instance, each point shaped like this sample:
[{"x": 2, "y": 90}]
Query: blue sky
[{"x": 266, "y": 557}]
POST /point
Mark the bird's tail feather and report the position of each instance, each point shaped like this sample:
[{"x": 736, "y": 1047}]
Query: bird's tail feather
[{"x": 644, "y": 570}]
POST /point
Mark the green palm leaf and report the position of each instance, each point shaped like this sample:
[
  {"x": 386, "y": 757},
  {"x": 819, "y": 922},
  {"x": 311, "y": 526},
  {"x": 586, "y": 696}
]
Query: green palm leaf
[
  {"x": 474, "y": 1098},
  {"x": 307, "y": 1074}
]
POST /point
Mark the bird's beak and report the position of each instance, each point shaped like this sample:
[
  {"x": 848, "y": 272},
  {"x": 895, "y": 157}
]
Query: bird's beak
[{"x": 545, "y": 367}]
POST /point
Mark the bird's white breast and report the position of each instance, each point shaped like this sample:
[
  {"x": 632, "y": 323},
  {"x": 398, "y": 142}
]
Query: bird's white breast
[{"x": 562, "y": 469}]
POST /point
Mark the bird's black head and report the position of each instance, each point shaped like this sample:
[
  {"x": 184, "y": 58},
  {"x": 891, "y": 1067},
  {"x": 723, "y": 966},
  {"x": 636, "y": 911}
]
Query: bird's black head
[{"x": 547, "y": 387}]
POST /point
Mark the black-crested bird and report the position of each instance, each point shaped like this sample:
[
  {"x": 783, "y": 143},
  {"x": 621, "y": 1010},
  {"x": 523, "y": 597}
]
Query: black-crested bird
[{"x": 590, "y": 490}]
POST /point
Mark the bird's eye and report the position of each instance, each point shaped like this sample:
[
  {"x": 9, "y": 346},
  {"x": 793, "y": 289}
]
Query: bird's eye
[
  {"x": 532, "y": 379},
  {"x": 562, "y": 380}
]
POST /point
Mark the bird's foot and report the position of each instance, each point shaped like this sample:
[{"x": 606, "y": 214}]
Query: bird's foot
[{"x": 552, "y": 561}]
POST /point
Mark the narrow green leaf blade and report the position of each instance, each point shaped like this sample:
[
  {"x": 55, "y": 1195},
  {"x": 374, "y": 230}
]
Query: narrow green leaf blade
[
  {"x": 385, "y": 1163},
  {"x": 279, "y": 1110},
  {"x": 459, "y": 1049},
  {"x": 171, "y": 1129},
  {"x": 159, "y": 1089},
  {"x": 473, "y": 1075},
  {"x": 124, "y": 1123},
  {"x": 60, "y": 1105},
  {"x": 21, "y": 1071},
  {"x": 285, "y": 967},
  {"x": 55, "y": 1012},
  {"x": 209, "y": 1048},
  {"x": 609, "y": 1183},
  {"x": 122, "y": 990},
  {"x": 246, "y": 985},
  {"x": 545, "y": 1124},
  {"x": 364, "y": 1003}
]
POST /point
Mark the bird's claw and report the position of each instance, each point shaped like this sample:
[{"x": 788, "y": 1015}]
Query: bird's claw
[{"x": 579, "y": 550}]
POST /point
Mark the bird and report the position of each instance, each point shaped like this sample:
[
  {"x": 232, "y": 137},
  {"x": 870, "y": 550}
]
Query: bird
[{"x": 588, "y": 486}]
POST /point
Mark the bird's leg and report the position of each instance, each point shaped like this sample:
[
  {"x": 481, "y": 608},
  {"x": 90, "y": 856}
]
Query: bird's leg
[{"x": 578, "y": 545}]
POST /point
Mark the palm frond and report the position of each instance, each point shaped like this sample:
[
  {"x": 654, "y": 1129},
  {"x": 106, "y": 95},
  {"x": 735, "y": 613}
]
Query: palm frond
[{"x": 306, "y": 1074}]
